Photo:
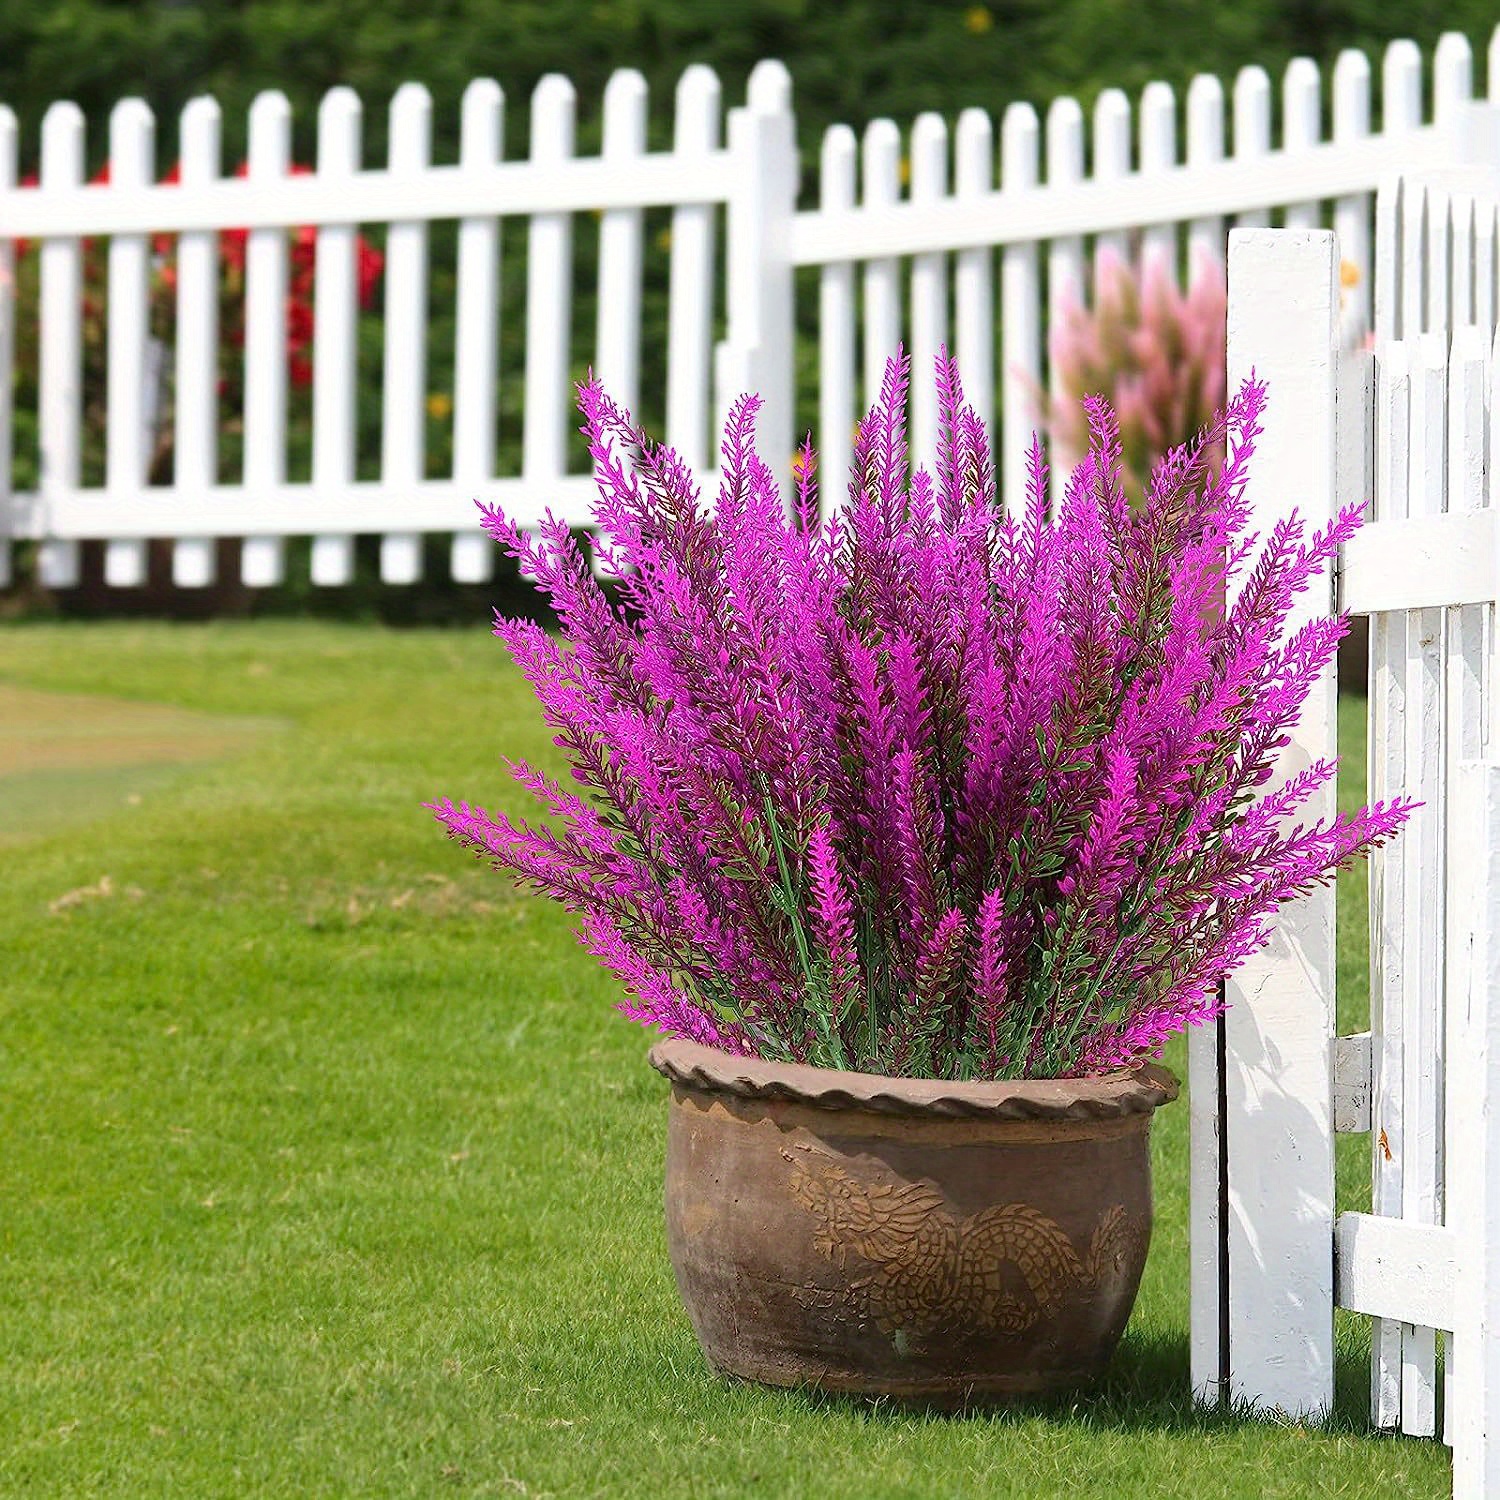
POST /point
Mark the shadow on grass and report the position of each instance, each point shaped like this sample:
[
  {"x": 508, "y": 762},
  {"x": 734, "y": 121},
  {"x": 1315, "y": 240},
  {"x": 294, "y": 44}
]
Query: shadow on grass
[{"x": 1147, "y": 1388}]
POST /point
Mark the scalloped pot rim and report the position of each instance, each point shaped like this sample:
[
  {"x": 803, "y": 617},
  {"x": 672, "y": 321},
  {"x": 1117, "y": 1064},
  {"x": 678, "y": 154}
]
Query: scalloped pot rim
[{"x": 1137, "y": 1090}]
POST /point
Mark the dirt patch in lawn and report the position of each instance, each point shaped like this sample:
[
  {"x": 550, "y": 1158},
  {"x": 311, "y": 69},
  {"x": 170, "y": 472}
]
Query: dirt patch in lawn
[{"x": 71, "y": 757}]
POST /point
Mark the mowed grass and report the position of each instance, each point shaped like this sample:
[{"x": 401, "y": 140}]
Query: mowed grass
[{"x": 326, "y": 1169}]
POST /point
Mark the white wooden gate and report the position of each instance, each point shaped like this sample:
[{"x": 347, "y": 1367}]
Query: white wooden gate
[{"x": 1272, "y": 1083}]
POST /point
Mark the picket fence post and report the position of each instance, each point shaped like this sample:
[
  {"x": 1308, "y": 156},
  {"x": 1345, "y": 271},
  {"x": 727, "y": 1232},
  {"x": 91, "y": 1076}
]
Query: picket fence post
[
  {"x": 1262, "y": 1228},
  {"x": 757, "y": 355}
]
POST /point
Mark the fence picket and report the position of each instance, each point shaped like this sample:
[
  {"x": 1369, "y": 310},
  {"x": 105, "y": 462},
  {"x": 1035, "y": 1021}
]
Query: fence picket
[
  {"x": 1452, "y": 76},
  {"x": 1301, "y": 104},
  {"x": 1159, "y": 154},
  {"x": 836, "y": 325},
  {"x": 404, "y": 386},
  {"x": 195, "y": 404},
  {"x": 690, "y": 293},
  {"x": 1252, "y": 131},
  {"x": 60, "y": 372},
  {"x": 476, "y": 349},
  {"x": 1205, "y": 145},
  {"x": 618, "y": 332},
  {"x": 1388, "y": 738},
  {"x": 1111, "y": 160},
  {"x": 881, "y": 185},
  {"x": 974, "y": 269},
  {"x": 929, "y": 286},
  {"x": 1351, "y": 213},
  {"x": 1422, "y": 868},
  {"x": 1066, "y": 283},
  {"x": 129, "y": 421},
  {"x": 1020, "y": 309},
  {"x": 263, "y": 558},
  {"x": 8, "y": 153},
  {"x": 335, "y": 343}
]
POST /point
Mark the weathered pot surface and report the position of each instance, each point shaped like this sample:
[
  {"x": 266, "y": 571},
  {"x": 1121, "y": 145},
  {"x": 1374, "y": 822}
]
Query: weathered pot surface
[{"x": 944, "y": 1242}]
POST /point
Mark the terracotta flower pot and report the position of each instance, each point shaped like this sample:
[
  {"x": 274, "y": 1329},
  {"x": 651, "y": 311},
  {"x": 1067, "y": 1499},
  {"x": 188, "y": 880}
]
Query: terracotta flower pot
[{"x": 945, "y": 1242}]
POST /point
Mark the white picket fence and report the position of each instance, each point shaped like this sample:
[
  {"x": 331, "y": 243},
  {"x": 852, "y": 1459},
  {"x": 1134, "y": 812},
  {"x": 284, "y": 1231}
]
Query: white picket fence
[
  {"x": 1273, "y": 1083},
  {"x": 893, "y": 265}
]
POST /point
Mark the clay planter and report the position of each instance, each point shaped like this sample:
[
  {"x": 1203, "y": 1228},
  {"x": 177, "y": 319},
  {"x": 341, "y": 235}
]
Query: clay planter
[{"x": 943, "y": 1242}]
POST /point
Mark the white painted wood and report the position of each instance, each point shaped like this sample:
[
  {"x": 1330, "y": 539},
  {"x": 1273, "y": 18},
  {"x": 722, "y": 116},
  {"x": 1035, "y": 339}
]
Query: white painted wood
[
  {"x": 195, "y": 439},
  {"x": 1351, "y": 1085},
  {"x": 404, "y": 383},
  {"x": 1111, "y": 161},
  {"x": 549, "y": 274},
  {"x": 1465, "y": 713},
  {"x": 837, "y": 334},
  {"x": 1067, "y": 284},
  {"x": 263, "y": 557},
  {"x": 1205, "y": 1227},
  {"x": 974, "y": 270},
  {"x": 60, "y": 372},
  {"x": 1351, "y": 213},
  {"x": 1452, "y": 76},
  {"x": 1205, "y": 146},
  {"x": 1252, "y": 132},
  {"x": 1021, "y": 308},
  {"x": 1159, "y": 156},
  {"x": 1422, "y": 865},
  {"x": 8, "y": 143},
  {"x": 335, "y": 345},
  {"x": 476, "y": 352},
  {"x": 1395, "y": 1269},
  {"x": 129, "y": 423},
  {"x": 1388, "y": 930},
  {"x": 1461, "y": 209},
  {"x": 1492, "y": 66},
  {"x": 690, "y": 294},
  {"x": 759, "y": 352},
  {"x": 1414, "y": 270},
  {"x": 929, "y": 288},
  {"x": 1474, "y": 1135},
  {"x": 881, "y": 185},
  {"x": 618, "y": 332},
  {"x": 1484, "y": 264},
  {"x": 1301, "y": 126},
  {"x": 1438, "y": 259},
  {"x": 1279, "y": 1024},
  {"x": 1423, "y": 563}
]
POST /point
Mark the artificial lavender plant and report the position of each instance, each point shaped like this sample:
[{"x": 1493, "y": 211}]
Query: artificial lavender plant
[{"x": 922, "y": 787}]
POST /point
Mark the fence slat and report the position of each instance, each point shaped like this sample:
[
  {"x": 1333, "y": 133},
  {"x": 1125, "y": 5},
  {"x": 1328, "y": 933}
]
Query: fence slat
[
  {"x": 1351, "y": 214},
  {"x": 1387, "y": 901},
  {"x": 8, "y": 152},
  {"x": 1452, "y": 76},
  {"x": 195, "y": 403},
  {"x": 476, "y": 347},
  {"x": 1111, "y": 159},
  {"x": 1159, "y": 154},
  {"x": 690, "y": 289},
  {"x": 1465, "y": 714},
  {"x": 1020, "y": 309},
  {"x": 881, "y": 184},
  {"x": 1279, "y": 1024},
  {"x": 929, "y": 286},
  {"x": 1301, "y": 104},
  {"x": 404, "y": 386},
  {"x": 60, "y": 362},
  {"x": 1205, "y": 145},
  {"x": 1252, "y": 130},
  {"x": 263, "y": 558},
  {"x": 618, "y": 333},
  {"x": 129, "y": 422},
  {"x": 974, "y": 270},
  {"x": 549, "y": 280},
  {"x": 335, "y": 344},
  {"x": 1067, "y": 285},
  {"x": 1422, "y": 868},
  {"x": 837, "y": 353}
]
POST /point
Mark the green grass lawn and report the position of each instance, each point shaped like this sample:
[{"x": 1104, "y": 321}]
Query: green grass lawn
[{"x": 326, "y": 1169}]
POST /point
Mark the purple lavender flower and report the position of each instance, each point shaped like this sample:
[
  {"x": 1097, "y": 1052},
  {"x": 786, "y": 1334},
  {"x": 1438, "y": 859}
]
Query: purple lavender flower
[{"x": 922, "y": 786}]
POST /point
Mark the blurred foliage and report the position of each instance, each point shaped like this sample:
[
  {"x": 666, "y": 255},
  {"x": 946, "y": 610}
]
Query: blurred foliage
[{"x": 850, "y": 62}]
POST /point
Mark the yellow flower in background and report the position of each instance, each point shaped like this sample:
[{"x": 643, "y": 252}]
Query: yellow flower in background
[
  {"x": 664, "y": 240},
  {"x": 905, "y": 171},
  {"x": 1348, "y": 273},
  {"x": 978, "y": 20},
  {"x": 439, "y": 406}
]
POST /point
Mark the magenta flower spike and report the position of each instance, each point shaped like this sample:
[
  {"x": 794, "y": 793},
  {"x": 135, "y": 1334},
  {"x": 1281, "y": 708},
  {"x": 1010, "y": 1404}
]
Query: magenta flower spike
[{"x": 922, "y": 787}]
